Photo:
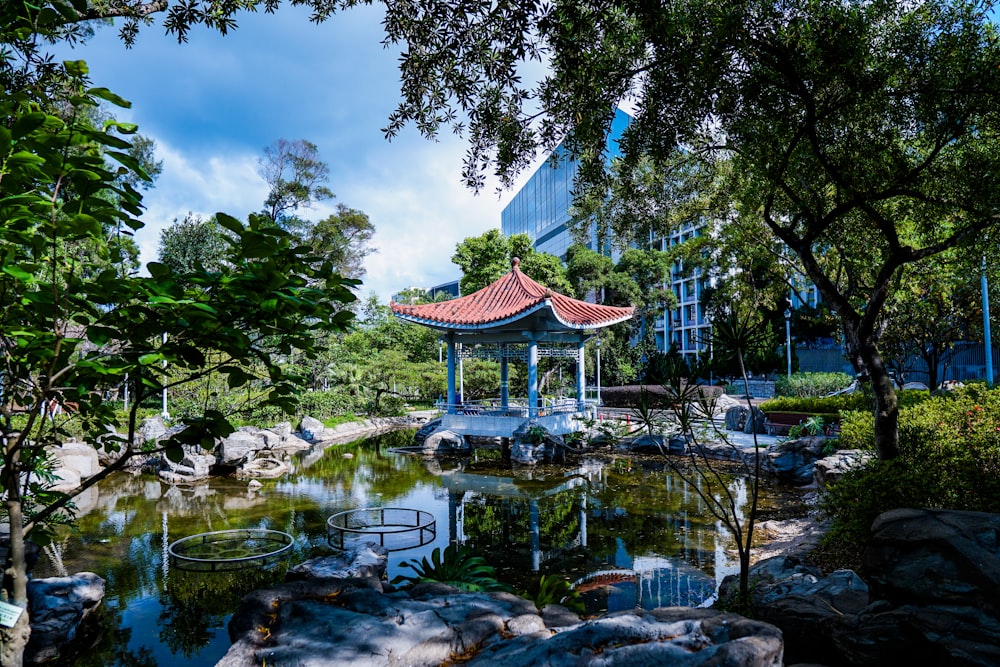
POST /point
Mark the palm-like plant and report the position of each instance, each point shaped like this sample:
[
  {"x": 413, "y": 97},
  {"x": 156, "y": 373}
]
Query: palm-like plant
[{"x": 457, "y": 566}]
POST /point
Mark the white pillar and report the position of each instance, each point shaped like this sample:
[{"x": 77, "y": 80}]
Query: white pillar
[
  {"x": 581, "y": 398},
  {"x": 532, "y": 379},
  {"x": 451, "y": 374}
]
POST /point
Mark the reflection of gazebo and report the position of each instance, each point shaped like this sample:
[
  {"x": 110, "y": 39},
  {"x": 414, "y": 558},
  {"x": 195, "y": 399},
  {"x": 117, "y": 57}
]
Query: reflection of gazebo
[
  {"x": 513, "y": 318},
  {"x": 531, "y": 489}
]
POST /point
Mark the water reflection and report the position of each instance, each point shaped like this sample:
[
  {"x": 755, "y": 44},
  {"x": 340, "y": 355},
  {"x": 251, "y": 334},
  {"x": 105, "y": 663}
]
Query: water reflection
[{"x": 628, "y": 531}]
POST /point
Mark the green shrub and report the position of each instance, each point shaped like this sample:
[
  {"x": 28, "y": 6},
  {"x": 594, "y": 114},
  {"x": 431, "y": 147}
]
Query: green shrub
[
  {"x": 457, "y": 566},
  {"x": 827, "y": 405},
  {"x": 857, "y": 429},
  {"x": 811, "y": 384},
  {"x": 860, "y": 401},
  {"x": 949, "y": 459}
]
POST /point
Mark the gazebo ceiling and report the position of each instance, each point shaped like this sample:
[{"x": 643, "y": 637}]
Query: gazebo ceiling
[{"x": 514, "y": 303}]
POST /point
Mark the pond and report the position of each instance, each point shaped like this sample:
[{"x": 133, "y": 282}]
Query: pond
[{"x": 628, "y": 530}]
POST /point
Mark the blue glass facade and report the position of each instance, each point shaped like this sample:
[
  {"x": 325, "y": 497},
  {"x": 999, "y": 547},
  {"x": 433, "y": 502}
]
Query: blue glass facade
[{"x": 541, "y": 208}]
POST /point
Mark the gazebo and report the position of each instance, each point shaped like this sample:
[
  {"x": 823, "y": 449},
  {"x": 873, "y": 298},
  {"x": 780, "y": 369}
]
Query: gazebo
[{"x": 517, "y": 319}]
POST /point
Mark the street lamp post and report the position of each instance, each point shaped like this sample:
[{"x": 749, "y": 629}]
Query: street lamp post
[
  {"x": 788, "y": 339},
  {"x": 987, "y": 340}
]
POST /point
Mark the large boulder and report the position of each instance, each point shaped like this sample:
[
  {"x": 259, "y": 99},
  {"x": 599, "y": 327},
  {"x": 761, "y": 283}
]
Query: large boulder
[
  {"x": 933, "y": 578},
  {"x": 830, "y": 468},
  {"x": 935, "y": 557},
  {"x": 444, "y": 441},
  {"x": 239, "y": 446},
  {"x": 352, "y": 622},
  {"x": 368, "y": 560},
  {"x": 792, "y": 460},
  {"x": 736, "y": 417},
  {"x": 57, "y": 606},
  {"x": 425, "y": 430},
  {"x": 311, "y": 429},
  {"x": 796, "y": 597},
  {"x": 756, "y": 423}
]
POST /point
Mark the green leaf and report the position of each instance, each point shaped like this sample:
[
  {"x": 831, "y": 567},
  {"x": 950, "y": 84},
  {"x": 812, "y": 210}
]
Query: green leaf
[
  {"x": 108, "y": 96},
  {"x": 27, "y": 124},
  {"x": 150, "y": 358},
  {"x": 230, "y": 223},
  {"x": 174, "y": 453},
  {"x": 76, "y": 67},
  {"x": 18, "y": 273}
]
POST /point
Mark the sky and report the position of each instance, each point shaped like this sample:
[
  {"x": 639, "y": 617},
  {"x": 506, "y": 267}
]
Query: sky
[{"x": 212, "y": 105}]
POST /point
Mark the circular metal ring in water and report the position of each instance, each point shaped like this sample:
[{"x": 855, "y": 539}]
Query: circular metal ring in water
[
  {"x": 227, "y": 550},
  {"x": 383, "y": 523}
]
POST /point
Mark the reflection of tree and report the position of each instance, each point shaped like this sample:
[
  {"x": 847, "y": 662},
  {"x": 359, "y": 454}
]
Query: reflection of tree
[
  {"x": 505, "y": 525},
  {"x": 369, "y": 470},
  {"x": 110, "y": 649},
  {"x": 195, "y": 604}
]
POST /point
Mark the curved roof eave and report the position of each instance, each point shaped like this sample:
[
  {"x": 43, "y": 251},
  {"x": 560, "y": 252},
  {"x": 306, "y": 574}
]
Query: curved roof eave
[{"x": 499, "y": 324}]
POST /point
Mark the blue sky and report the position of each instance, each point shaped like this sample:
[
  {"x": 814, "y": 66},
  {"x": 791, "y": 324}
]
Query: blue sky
[{"x": 212, "y": 104}]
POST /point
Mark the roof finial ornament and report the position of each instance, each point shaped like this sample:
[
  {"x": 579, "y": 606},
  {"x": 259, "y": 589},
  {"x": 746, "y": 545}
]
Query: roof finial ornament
[{"x": 515, "y": 263}]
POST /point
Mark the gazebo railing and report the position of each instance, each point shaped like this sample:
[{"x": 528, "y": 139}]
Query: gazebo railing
[{"x": 516, "y": 407}]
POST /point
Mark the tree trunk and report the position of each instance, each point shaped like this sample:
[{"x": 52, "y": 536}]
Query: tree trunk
[
  {"x": 14, "y": 640},
  {"x": 867, "y": 360}
]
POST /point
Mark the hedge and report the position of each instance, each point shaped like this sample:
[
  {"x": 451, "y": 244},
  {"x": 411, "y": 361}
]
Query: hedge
[{"x": 628, "y": 396}]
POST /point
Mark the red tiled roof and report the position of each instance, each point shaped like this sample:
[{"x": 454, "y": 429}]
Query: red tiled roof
[{"x": 511, "y": 297}]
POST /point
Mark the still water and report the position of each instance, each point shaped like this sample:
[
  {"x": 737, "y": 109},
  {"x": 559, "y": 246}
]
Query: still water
[{"x": 628, "y": 530}]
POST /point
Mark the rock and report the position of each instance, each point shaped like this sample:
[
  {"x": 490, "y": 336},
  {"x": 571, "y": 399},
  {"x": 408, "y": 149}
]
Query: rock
[
  {"x": 805, "y": 605},
  {"x": 531, "y": 444},
  {"x": 57, "y": 606},
  {"x": 444, "y": 441},
  {"x": 367, "y": 560},
  {"x": 254, "y": 485},
  {"x": 151, "y": 429},
  {"x": 649, "y": 444},
  {"x": 919, "y": 635},
  {"x": 758, "y": 421},
  {"x": 792, "y": 460},
  {"x": 916, "y": 385},
  {"x": 353, "y": 623},
  {"x": 77, "y": 456},
  {"x": 426, "y": 430},
  {"x": 736, "y": 417},
  {"x": 292, "y": 443},
  {"x": 239, "y": 446},
  {"x": 282, "y": 429},
  {"x": 935, "y": 557},
  {"x": 831, "y": 468},
  {"x": 266, "y": 467},
  {"x": 630, "y": 639},
  {"x": 311, "y": 429}
]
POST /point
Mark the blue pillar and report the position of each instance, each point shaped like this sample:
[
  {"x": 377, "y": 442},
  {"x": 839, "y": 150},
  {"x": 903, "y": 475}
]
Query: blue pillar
[
  {"x": 581, "y": 398},
  {"x": 451, "y": 374},
  {"x": 987, "y": 339},
  {"x": 535, "y": 533},
  {"x": 504, "y": 384},
  {"x": 532, "y": 379}
]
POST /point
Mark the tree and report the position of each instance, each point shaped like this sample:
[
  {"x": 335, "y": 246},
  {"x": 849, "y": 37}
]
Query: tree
[
  {"x": 73, "y": 330},
  {"x": 193, "y": 243},
  {"x": 935, "y": 306},
  {"x": 862, "y": 136},
  {"x": 296, "y": 178},
  {"x": 343, "y": 239},
  {"x": 486, "y": 258}
]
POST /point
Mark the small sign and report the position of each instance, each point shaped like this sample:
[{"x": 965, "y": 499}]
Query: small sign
[{"x": 9, "y": 614}]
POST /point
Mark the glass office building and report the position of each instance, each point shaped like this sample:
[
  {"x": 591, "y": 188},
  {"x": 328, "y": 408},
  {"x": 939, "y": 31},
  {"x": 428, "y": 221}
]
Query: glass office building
[{"x": 541, "y": 208}]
